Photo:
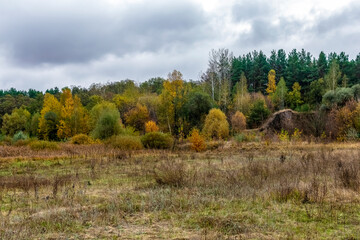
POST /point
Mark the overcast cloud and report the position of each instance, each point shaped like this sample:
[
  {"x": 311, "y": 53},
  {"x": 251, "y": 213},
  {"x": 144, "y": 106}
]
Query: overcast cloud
[{"x": 51, "y": 43}]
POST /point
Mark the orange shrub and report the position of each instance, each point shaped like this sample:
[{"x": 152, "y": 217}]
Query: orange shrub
[
  {"x": 238, "y": 122},
  {"x": 197, "y": 141},
  {"x": 151, "y": 126}
]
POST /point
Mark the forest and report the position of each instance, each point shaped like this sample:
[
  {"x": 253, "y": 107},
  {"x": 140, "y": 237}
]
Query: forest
[{"x": 241, "y": 93}]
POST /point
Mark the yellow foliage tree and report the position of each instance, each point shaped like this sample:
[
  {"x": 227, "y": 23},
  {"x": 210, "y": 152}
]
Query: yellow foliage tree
[
  {"x": 51, "y": 104},
  {"x": 124, "y": 102},
  {"x": 74, "y": 118},
  {"x": 67, "y": 109},
  {"x": 271, "y": 88},
  {"x": 216, "y": 125},
  {"x": 197, "y": 141},
  {"x": 171, "y": 101},
  {"x": 80, "y": 118},
  {"x": 151, "y": 126},
  {"x": 137, "y": 117}
]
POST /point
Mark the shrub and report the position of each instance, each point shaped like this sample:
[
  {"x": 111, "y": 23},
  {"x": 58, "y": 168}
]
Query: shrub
[
  {"x": 42, "y": 145},
  {"x": 81, "y": 139},
  {"x": 348, "y": 175},
  {"x": 109, "y": 124},
  {"x": 338, "y": 97},
  {"x": 5, "y": 140},
  {"x": 240, "y": 138},
  {"x": 126, "y": 142},
  {"x": 303, "y": 108},
  {"x": 170, "y": 173},
  {"x": 352, "y": 134},
  {"x": 238, "y": 122},
  {"x": 19, "y": 136},
  {"x": 296, "y": 136},
  {"x": 106, "y": 120},
  {"x": 151, "y": 126},
  {"x": 246, "y": 137},
  {"x": 343, "y": 121},
  {"x": 258, "y": 113},
  {"x": 283, "y": 135},
  {"x": 22, "y": 142},
  {"x": 129, "y": 131},
  {"x": 157, "y": 140},
  {"x": 17, "y": 121},
  {"x": 216, "y": 125},
  {"x": 197, "y": 141}
]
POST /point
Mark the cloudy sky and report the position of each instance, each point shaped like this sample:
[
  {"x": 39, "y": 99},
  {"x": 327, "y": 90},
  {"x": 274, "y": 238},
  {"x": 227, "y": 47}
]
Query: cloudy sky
[{"x": 48, "y": 43}]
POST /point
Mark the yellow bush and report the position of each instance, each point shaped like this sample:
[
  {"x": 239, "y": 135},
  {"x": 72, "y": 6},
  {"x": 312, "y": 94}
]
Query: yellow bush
[
  {"x": 125, "y": 142},
  {"x": 197, "y": 141},
  {"x": 42, "y": 145},
  {"x": 283, "y": 136},
  {"x": 151, "y": 126},
  {"x": 216, "y": 125},
  {"x": 296, "y": 136},
  {"x": 81, "y": 139}
]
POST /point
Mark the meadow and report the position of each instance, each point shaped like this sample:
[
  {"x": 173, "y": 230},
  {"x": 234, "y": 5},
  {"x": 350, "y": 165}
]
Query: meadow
[{"x": 248, "y": 190}]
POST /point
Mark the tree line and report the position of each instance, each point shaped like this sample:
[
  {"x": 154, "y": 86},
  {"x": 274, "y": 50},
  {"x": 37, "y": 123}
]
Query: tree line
[{"x": 245, "y": 89}]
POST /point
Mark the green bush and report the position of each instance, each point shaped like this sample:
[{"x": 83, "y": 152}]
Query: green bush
[
  {"x": 19, "y": 136},
  {"x": 129, "y": 131},
  {"x": 109, "y": 124},
  {"x": 241, "y": 138},
  {"x": 42, "y": 145},
  {"x": 125, "y": 142},
  {"x": 81, "y": 139},
  {"x": 157, "y": 140},
  {"x": 352, "y": 134},
  {"x": 246, "y": 137},
  {"x": 303, "y": 108},
  {"x": 258, "y": 114}
]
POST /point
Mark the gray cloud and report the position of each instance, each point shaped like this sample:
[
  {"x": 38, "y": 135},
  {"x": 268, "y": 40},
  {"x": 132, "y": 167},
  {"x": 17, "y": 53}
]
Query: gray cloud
[
  {"x": 262, "y": 31},
  {"x": 335, "y": 31},
  {"x": 44, "y": 32},
  {"x": 61, "y": 43},
  {"x": 260, "y": 16},
  {"x": 249, "y": 10},
  {"x": 348, "y": 17}
]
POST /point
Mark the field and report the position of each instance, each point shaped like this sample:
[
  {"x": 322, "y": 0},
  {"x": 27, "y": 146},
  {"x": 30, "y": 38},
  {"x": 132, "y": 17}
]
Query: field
[{"x": 257, "y": 190}]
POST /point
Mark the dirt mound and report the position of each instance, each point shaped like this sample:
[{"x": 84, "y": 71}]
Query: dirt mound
[{"x": 288, "y": 120}]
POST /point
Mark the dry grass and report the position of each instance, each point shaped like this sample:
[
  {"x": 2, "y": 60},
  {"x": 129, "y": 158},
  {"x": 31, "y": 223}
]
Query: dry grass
[{"x": 251, "y": 191}]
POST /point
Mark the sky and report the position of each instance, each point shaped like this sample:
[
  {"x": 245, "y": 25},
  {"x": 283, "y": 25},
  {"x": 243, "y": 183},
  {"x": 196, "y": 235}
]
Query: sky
[{"x": 49, "y": 43}]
